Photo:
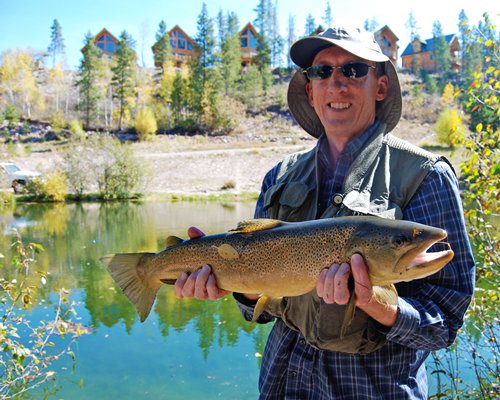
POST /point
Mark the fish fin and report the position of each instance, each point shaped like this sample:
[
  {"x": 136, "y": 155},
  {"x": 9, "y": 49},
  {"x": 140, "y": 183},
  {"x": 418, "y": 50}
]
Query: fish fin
[
  {"x": 386, "y": 294},
  {"x": 260, "y": 306},
  {"x": 256, "y": 225},
  {"x": 227, "y": 252},
  {"x": 124, "y": 270},
  {"x": 172, "y": 241},
  {"x": 349, "y": 314}
]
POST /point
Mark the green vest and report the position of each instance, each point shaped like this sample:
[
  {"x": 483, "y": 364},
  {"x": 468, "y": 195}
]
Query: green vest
[{"x": 382, "y": 180}]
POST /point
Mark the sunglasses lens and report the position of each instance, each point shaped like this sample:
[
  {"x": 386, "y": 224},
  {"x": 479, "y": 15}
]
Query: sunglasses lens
[
  {"x": 355, "y": 70},
  {"x": 319, "y": 72},
  {"x": 350, "y": 70}
]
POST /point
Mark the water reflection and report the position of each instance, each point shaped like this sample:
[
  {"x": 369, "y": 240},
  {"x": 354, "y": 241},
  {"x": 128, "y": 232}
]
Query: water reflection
[{"x": 75, "y": 236}]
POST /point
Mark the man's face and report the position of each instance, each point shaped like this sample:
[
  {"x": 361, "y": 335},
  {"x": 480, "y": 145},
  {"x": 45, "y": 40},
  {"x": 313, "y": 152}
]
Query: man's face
[{"x": 345, "y": 106}]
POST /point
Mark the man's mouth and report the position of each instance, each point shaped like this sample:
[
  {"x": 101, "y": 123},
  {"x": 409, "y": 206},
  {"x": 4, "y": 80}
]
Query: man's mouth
[{"x": 339, "y": 106}]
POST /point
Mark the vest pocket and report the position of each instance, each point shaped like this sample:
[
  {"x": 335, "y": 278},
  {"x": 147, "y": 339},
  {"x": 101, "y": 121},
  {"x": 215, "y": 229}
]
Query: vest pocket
[{"x": 284, "y": 201}]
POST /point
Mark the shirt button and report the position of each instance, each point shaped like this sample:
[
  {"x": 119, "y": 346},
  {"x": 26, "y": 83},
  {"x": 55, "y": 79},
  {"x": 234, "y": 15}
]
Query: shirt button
[
  {"x": 337, "y": 199},
  {"x": 293, "y": 373},
  {"x": 302, "y": 342}
]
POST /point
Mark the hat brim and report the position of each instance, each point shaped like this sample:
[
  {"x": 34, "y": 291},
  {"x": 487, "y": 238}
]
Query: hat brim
[
  {"x": 303, "y": 51},
  {"x": 388, "y": 111}
]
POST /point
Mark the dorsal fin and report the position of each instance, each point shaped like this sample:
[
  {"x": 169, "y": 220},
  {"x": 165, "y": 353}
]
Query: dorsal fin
[
  {"x": 172, "y": 241},
  {"x": 256, "y": 225}
]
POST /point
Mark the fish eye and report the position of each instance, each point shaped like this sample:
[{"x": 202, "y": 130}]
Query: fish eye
[{"x": 400, "y": 240}]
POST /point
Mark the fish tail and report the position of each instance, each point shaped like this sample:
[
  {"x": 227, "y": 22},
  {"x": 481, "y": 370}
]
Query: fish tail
[{"x": 126, "y": 271}]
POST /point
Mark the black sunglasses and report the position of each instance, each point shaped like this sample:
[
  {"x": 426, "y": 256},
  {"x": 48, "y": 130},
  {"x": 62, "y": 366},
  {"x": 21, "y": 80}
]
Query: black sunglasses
[{"x": 350, "y": 70}]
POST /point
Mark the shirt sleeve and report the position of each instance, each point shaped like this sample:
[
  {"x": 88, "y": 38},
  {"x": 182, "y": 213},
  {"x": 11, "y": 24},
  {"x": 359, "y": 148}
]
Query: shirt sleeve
[{"x": 431, "y": 310}]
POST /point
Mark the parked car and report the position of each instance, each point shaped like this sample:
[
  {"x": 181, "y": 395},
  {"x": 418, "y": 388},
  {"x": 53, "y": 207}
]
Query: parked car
[{"x": 16, "y": 177}]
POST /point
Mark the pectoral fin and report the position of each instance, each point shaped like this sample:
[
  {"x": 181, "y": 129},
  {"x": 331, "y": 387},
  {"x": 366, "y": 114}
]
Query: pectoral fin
[
  {"x": 255, "y": 225},
  {"x": 386, "y": 294},
  {"x": 349, "y": 314},
  {"x": 228, "y": 252}
]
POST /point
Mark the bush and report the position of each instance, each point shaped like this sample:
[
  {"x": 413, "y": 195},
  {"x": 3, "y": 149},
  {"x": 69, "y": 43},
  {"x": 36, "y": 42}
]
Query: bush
[
  {"x": 104, "y": 163},
  {"x": 57, "y": 121},
  {"x": 54, "y": 187},
  {"x": 28, "y": 351},
  {"x": 145, "y": 124},
  {"x": 76, "y": 129},
  {"x": 7, "y": 201},
  {"x": 12, "y": 115},
  {"x": 449, "y": 127}
]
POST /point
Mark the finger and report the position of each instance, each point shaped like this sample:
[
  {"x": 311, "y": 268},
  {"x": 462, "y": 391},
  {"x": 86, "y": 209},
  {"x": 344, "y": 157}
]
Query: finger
[
  {"x": 194, "y": 232},
  {"x": 329, "y": 287},
  {"x": 320, "y": 285},
  {"x": 200, "y": 288},
  {"x": 179, "y": 284},
  {"x": 214, "y": 292},
  {"x": 188, "y": 288},
  {"x": 342, "y": 294},
  {"x": 362, "y": 283}
]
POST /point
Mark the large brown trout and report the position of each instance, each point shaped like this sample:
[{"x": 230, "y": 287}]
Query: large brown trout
[{"x": 278, "y": 259}]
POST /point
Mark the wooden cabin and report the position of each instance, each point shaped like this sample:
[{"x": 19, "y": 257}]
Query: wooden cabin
[
  {"x": 106, "y": 43},
  {"x": 388, "y": 42},
  {"x": 248, "y": 44},
  {"x": 183, "y": 47},
  {"x": 419, "y": 54}
]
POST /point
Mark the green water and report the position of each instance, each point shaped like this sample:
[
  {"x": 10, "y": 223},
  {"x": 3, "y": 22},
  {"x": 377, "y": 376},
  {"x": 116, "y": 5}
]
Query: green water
[{"x": 186, "y": 349}]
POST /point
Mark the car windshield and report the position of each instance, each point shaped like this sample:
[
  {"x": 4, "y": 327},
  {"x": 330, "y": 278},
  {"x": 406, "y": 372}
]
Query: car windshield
[{"x": 11, "y": 168}]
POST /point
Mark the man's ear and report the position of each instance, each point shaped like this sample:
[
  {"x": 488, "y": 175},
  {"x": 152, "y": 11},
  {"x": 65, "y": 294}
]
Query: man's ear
[
  {"x": 309, "y": 93},
  {"x": 383, "y": 87}
]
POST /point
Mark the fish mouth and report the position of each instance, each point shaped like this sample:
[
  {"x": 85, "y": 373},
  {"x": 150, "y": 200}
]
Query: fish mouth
[{"x": 427, "y": 263}]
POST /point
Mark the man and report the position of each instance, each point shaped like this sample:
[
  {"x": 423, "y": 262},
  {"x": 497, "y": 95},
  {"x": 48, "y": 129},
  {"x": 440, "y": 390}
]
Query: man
[{"x": 347, "y": 94}]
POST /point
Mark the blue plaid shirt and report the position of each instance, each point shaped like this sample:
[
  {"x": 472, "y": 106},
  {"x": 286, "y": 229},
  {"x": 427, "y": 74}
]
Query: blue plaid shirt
[{"x": 431, "y": 310}]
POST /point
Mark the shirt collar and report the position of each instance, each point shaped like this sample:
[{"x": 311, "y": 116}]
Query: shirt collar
[{"x": 352, "y": 149}]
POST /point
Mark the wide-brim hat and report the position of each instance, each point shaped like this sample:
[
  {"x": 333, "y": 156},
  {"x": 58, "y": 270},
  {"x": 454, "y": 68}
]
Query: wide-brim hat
[{"x": 355, "y": 41}]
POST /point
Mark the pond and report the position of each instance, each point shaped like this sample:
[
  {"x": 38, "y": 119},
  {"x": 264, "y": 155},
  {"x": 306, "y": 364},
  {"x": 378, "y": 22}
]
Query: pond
[{"x": 186, "y": 349}]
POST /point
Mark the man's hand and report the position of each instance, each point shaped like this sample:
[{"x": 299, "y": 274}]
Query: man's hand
[
  {"x": 333, "y": 287},
  {"x": 201, "y": 284}
]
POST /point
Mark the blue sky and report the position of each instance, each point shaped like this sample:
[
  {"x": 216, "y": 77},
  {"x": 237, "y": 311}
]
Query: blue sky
[{"x": 26, "y": 23}]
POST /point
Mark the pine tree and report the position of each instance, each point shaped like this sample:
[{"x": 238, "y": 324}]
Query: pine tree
[
  {"x": 123, "y": 79},
  {"x": 327, "y": 17},
  {"x": 230, "y": 53},
  {"x": 162, "y": 48},
  {"x": 411, "y": 24},
  {"x": 441, "y": 50},
  {"x": 205, "y": 79},
  {"x": 291, "y": 38},
  {"x": 56, "y": 46},
  {"x": 87, "y": 81},
  {"x": 275, "y": 39},
  {"x": 310, "y": 25}
]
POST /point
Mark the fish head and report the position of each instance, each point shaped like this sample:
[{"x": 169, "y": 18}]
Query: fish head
[{"x": 397, "y": 251}]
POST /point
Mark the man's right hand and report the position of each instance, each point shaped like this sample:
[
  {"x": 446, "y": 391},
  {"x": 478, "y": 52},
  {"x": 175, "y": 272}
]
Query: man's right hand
[{"x": 200, "y": 284}]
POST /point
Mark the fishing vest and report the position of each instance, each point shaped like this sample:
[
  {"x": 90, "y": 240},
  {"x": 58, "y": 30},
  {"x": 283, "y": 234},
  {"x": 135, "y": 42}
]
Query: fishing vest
[{"x": 381, "y": 181}]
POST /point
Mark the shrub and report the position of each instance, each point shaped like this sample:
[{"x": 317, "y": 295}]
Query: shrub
[
  {"x": 28, "y": 351},
  {"x": 12, "y": 115},
  {"x": 145, "y": 124},
  {"x": 57, "y": 121},
  {"x": 76, "y": 129},
  {"x": 54, "y": 187},
  {"x": 104, "y": 163},
  {"x": 449, "y": 127},
  {"x": 7, "y": 201}
]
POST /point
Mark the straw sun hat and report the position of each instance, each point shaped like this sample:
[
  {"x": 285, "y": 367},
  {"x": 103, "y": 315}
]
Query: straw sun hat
[{"x": 356, "y": 41}]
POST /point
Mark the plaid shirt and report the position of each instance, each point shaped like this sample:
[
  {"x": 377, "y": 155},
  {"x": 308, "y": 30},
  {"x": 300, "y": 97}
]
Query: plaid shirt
[{"x": 431, "y": 310}]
